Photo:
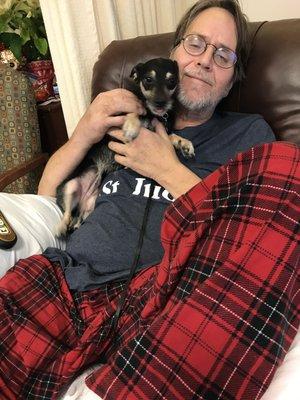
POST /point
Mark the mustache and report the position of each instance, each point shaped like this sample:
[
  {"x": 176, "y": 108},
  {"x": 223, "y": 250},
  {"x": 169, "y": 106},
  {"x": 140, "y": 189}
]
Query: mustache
[{"x": 199, "y": 75}]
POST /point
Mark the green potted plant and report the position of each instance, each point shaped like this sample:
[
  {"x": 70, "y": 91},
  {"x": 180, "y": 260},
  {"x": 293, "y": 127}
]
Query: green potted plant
[{"x": 22, "y": 31}]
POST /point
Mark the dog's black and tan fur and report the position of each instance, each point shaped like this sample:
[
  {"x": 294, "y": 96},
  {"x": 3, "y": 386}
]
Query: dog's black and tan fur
[{"x": 154, "y": 82}]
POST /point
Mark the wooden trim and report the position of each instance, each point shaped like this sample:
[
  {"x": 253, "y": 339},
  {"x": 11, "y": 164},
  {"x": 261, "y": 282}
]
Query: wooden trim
[{"x": 15, "y": 173}]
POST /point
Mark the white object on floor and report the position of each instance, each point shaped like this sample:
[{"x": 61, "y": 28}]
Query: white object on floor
[
  {"x": 286, "y": 382},
  {"x": 78, "y": 390},
  {"x": 34, "y": 219}
]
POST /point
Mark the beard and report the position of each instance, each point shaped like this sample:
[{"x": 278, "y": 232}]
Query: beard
[{"x": 205, "y": 103}]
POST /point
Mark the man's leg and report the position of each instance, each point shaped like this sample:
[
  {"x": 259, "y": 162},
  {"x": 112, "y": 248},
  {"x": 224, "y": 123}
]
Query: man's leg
[
  {"x": 45, "y": 337},
  {"x": 224, "y": 306}
]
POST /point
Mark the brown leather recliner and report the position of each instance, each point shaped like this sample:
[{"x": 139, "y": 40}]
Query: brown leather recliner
[{"x": 271, "y": 87}]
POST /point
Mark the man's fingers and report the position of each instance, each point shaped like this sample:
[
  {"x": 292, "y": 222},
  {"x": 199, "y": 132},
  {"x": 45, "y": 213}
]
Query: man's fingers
[
  {"x": 119, "y": 148},
  {"x": 116, "y": 121},
  {"x": 122, "y": 160},
  {"x": 117, "y": 134},
  {"x": 120, "y": 101},
  {"x": 159, "y": 128}
]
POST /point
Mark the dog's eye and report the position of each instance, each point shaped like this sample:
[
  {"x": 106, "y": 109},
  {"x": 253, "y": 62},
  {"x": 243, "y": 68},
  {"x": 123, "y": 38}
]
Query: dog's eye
[
  {"x": 172, "y": 82},
  {"x": 148, "y": 79}
]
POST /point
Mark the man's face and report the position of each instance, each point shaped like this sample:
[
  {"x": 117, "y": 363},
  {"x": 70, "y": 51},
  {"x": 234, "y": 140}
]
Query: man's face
[{"x": 203, "y": 83}]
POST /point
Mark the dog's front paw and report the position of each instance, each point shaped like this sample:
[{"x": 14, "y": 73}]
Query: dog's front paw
[
  {"x": 131, "y": 127},
  {"x": 185, "y": 146},
  {"x": 61, "y": 229}
]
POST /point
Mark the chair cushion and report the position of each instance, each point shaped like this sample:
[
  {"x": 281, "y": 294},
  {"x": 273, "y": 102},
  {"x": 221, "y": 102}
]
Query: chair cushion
[
  {"x": 19, "y": 128},
  {"x": 34, "y": 219}
]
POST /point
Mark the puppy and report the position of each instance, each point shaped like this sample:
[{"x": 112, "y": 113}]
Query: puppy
[{"x": 154, "y": 83}]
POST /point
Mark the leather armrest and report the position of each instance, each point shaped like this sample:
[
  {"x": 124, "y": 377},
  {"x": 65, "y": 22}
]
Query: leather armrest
[{"x": 13, "y": 174}]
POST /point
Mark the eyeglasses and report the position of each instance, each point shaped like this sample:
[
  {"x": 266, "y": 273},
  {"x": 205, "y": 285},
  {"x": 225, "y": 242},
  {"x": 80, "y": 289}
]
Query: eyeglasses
[{"x": 196, "y": 45}]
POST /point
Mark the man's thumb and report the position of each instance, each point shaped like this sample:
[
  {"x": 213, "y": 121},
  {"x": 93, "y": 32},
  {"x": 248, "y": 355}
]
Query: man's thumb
[{"x": 159, "y": 127}]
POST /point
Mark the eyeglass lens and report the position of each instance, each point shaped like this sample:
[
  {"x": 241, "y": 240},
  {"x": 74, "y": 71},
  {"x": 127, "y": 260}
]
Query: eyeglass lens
[{"x": 196, "y": 45}]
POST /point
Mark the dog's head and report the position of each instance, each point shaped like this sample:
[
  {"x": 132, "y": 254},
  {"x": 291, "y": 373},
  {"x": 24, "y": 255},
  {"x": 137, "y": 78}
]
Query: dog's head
[{"x": 157, "y": 80}]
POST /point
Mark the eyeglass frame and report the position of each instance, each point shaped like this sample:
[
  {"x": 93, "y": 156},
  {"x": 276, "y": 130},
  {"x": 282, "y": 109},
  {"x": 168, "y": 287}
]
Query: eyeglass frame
[{"x": 205, "y": 48}]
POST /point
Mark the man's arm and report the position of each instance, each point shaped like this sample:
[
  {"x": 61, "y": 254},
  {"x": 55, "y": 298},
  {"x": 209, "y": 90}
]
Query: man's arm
[
  {"x": 62, "y": 164},
  {"x": 103, "y": 114}
]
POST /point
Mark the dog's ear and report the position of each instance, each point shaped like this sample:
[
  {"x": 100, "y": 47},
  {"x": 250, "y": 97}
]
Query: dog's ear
[
  {"x": 176, "y": 66},
  {"x": 135, "y": 72}
]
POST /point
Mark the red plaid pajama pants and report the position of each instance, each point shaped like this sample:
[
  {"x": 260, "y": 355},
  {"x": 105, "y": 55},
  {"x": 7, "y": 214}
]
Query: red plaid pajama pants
[{"x": 212, "y": 321}]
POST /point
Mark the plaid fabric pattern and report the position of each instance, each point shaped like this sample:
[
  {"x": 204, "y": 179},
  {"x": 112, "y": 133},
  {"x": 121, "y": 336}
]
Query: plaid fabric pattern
[{"x": 212, "y": 321}]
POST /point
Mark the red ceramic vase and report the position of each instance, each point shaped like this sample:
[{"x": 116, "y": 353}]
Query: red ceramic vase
[{"x": 41, "y": 74}]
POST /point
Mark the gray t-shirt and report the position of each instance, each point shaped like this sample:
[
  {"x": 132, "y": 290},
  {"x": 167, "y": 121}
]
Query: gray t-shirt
[{"x": 103, "y": 248}]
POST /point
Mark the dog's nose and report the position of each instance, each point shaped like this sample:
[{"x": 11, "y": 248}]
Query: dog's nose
[{"x": 160, "y": 104}]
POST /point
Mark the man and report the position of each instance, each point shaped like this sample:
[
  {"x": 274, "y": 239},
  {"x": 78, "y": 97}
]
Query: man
[
  {"x": 203, "y": 322},
  {"x": 206, "y": 77}
]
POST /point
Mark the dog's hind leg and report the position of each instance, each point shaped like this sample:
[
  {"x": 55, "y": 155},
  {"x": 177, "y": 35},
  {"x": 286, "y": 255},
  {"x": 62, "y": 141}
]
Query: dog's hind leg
[
  {"x": 71, "y": 198},
  {"x": 86, "y": 206}
]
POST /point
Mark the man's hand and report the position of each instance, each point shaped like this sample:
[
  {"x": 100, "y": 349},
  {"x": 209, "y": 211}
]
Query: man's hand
[
  {"x": 151, "y": 154},
  {"x": 105, "y": 112}
]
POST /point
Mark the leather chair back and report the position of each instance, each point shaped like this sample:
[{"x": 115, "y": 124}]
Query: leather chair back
[{"x": 271, "y": 87}]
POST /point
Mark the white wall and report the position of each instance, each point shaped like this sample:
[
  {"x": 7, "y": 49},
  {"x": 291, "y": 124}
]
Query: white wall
[{"x": 270, "y": 10}]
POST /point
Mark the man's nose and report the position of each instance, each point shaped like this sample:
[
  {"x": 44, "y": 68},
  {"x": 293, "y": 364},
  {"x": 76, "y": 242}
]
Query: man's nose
[{"x": 206, "y": 58}]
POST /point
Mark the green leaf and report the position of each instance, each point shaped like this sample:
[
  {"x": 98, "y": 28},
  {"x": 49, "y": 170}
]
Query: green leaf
[
  {"x": 4, "y": 18},
  {"x": 22, "y": 7},
  {"x": 13, "y": 42},
  {"x": 41, "y": 44},
  {"x": 25, "y": 35}
]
